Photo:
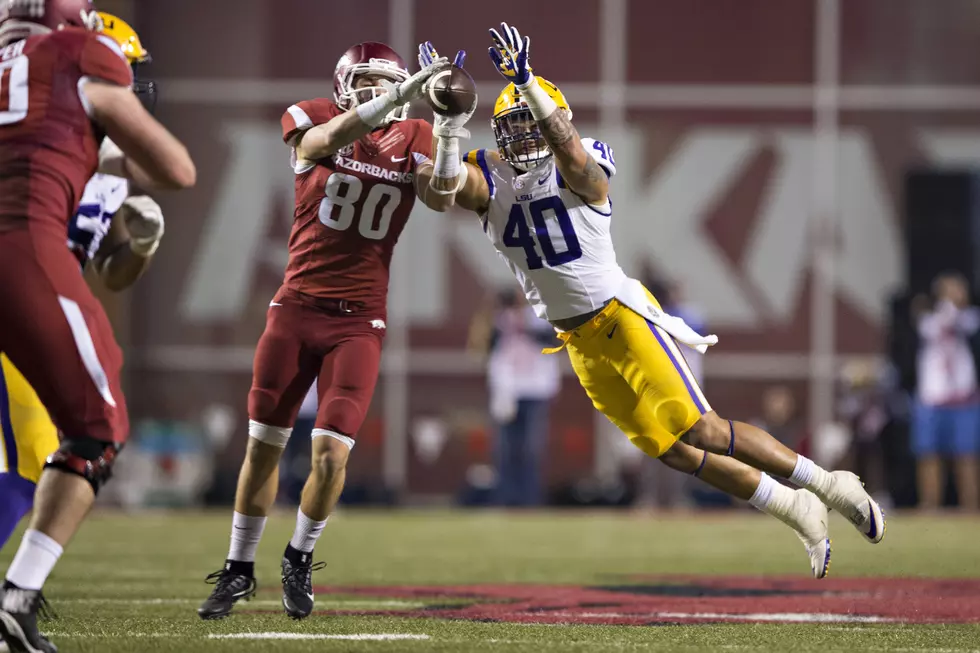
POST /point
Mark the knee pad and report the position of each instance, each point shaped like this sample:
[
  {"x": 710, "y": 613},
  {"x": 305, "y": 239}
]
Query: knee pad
[{"x": 86, "y": 457}]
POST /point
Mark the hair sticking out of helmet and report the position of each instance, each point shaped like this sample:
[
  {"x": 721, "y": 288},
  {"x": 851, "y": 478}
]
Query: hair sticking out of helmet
[
  {"x": 518, "y": 136},
  {"x": 370, "y": 60},
  {"x": 20, "y": 19}
]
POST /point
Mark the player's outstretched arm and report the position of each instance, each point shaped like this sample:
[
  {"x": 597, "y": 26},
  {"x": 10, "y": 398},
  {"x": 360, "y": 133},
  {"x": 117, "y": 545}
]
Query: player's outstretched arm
[
  {"x": 447, "y": 180},
  {"x": 128, "y": 248},
  {"x": 579, "y": 170},
  {"x": 473, "y": 194},
  {"x": 340, "y": 131},
  {"x": 157, "y": 154}
]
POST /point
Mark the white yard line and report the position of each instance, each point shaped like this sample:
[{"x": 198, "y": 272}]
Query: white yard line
[{"x": 371, "y": 637}]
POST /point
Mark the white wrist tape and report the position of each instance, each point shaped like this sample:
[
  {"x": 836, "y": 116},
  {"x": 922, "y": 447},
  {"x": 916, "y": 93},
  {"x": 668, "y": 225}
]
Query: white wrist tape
[
  {"x": 447, "y": 162},
  {"x": 373, "y": 113},
  {"x": 538, "y": 101},
  {"x": 463, "y": 173}
]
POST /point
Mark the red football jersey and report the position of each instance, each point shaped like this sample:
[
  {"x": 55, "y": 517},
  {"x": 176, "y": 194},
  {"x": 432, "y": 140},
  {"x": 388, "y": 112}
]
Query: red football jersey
[
  {"x": 351, "y": 207},
  {"x": 48, "y": 145}
]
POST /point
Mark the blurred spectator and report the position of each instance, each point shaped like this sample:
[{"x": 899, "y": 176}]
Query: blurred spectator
[
  {"x": 780, "y": 417},
  {"x": 295, "y": 464},
  {"x": 522, "y": 382},
  {"x": 947, "y": 411},
  {"x": 866, "y": 408}
]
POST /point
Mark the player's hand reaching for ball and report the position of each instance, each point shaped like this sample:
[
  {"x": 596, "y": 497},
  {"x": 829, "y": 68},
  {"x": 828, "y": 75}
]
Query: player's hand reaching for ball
[
  {"x": 411, "y": 88},
  {"x": 509, "y": 54},
  {"x": 446, "y": 125},
  {"x": 428, "y": 56}
]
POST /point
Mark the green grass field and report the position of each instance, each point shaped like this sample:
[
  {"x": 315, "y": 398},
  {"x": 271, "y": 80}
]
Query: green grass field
[{"x": 132, "y": 583}]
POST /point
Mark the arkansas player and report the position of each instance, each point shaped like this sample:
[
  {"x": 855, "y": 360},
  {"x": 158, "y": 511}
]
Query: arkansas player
[
  {"x": 354, "y": 160},
  {"x": 65, "y": 87}
]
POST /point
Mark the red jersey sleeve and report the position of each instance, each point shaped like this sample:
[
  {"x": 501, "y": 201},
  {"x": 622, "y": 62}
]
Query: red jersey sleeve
[
  {"x": 101, "y": 58},
  {"x": 422, "y": 143},
  {"x": 306, "y": 114}
]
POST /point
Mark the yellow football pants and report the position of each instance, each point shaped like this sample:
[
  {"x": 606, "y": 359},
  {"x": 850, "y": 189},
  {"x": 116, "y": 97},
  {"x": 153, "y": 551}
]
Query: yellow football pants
[
  {"x": 29, "y": 435},
  {"x": 636, "y": 375}
]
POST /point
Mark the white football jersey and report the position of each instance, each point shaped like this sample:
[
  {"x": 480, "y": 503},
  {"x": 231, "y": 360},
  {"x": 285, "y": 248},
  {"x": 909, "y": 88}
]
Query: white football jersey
[
  {"x": 103, "y": 196},
  {"x": 558, "y": 246}
]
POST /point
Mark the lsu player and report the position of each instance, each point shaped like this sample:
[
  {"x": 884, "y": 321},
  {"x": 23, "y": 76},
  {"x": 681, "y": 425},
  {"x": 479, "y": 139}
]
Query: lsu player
[
  {"x": 120, "y": 250},
  {"x": 543, "y": 200}
]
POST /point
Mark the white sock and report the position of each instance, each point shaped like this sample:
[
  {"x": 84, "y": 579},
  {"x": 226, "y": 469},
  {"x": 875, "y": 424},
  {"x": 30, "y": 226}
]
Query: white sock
[
  {"x": 811, "y": 476},
  {"x": 34, "y": 561},
  {"x": 307, "y": 532},
  {"x": 245, "y": 535},
  {"x": 772, "y": 498}
]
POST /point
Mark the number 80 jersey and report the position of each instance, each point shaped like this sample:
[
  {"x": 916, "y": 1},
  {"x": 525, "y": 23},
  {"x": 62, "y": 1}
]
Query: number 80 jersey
[
  {"x": 558, "y": 246},
  {"x": 351, "y": 207}
]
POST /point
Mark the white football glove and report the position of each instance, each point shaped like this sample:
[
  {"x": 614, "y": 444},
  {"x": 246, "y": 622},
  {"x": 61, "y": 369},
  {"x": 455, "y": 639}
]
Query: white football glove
[
  {"x": 411, "y": 88},
  {"x": 451, "y": 126},
  {"x": 445, "y": 126},
  {"x": 144, "y": 221}
]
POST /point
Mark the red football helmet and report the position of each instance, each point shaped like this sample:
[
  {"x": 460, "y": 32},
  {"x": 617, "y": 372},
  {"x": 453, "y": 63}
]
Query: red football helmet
[
  {"x": 368, "y": 58},
  {"x": 27, "y": 17}
]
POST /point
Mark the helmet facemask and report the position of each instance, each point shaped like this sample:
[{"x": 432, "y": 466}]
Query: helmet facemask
[
  {"x": 519, "y": 138},
  {"x": 350, "y": 97}
]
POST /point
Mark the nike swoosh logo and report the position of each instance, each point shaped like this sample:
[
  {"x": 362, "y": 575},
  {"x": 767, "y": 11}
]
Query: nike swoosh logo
[
  {"x": 873, "y": 529},
  {"x": 309, "y": 596},
  {"x": 395, "y": 159},
  {"x": 541, "y": 182},
  {"x": 612, "y": 331},
  {"x": 271, "y": 304}
]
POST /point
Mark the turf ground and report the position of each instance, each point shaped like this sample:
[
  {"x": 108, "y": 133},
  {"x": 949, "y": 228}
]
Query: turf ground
[{"x": 493, "y": 581}]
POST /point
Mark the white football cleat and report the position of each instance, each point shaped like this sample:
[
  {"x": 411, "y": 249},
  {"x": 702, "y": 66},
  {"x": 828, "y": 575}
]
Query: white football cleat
[
  {"x": 848, "y": 497},
  {"x": 809, "y": 520}
]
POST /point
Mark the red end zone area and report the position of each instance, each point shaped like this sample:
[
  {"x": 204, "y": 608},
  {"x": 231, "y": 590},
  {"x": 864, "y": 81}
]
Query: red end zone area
[{"x": 675, "y": 600}]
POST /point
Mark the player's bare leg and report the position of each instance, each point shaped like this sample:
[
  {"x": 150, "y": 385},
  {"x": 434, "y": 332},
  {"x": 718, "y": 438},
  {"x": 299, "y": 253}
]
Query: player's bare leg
[
  {"x": 320, "y": 495},
  {"x": 800, "y": 509},
  {"x": 327, "y": 474},
  {"x": 65, "y": 493},
  {"x": 61, "y": 503},
  {"x": 258, "y": 480},
  {"x": 842, "y": 491}
]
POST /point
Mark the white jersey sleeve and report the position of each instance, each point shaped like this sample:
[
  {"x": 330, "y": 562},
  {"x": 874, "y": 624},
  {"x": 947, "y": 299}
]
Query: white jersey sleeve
[
  {"x": 602, "y": 153},
  {"x": 558, "y": 246},
  {"x": 102, "y": 198}
]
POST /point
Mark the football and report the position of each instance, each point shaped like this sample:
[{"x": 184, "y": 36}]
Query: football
[{"x": 451, "y": 91}]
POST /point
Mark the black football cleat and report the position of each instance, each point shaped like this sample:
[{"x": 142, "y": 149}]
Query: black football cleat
[
  {"x": 229, "y": 587},
  {"x": 18, "y": 620},
  {"x": 297, "y": 582}
]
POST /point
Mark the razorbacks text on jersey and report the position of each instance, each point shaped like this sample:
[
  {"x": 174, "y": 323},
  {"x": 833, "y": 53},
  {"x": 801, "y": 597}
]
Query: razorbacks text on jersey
[
  {"x": 103, "y": 196},
  {"x": 558, "y": 246},
  {"x": 351, "y": 207}
]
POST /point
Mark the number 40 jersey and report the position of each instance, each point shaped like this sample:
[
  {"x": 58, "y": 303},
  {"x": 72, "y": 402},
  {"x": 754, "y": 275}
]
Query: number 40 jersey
[
  {"x": 351, "y": 207},
  {"x": 558, "y": 246}
]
